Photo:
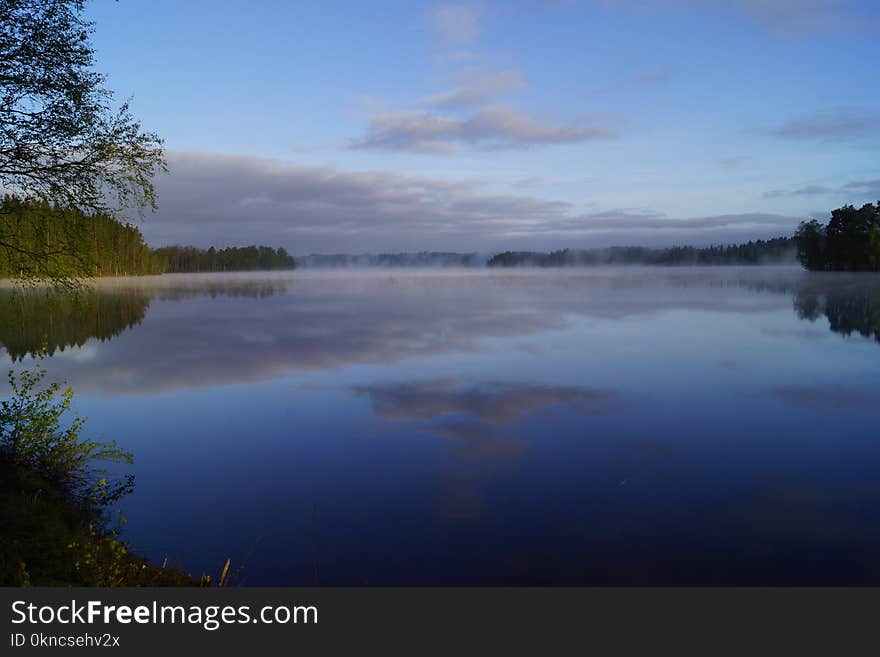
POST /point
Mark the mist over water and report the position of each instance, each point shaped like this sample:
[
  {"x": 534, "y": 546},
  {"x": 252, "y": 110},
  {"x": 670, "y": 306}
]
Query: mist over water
[{"x": 612, "y": 425}]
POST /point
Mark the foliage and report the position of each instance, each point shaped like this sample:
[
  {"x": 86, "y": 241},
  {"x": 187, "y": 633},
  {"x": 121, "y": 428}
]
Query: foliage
[
  {"x": 45, "y": 241},
  {"x": 778, "y": 249},
  {"x": 54, "y": 496},
  {"x": 72, "y": 243},
  {"x": 43, "y": 320},
  {"x": 63, "y": 142},
  {"x": 810, "y": 239},
  {"x": 60, "y": 137},
  {"x": 247, "y": 258},
  {"x": 35, "y": 320},
  {"x": 32, "y": 436},
  {"x": 47, "y": 541},
  {"x": 850, "y": 241},
  {"x": 420, "y": 259},
  {"x": 851, "y": 307}
]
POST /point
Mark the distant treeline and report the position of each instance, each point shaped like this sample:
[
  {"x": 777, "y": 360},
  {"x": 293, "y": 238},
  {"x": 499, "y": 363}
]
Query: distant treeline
[
  {"x": 421, "y": 259},
  {"x": 774, "y": 250},
  {"x": 178, "y": 259},
  {"x": 44, "y": 240},
  {"x": 850, "y": 241}
]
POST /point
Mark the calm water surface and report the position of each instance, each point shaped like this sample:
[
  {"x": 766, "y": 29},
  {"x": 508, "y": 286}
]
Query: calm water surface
[{"x": 607, "y": 426}]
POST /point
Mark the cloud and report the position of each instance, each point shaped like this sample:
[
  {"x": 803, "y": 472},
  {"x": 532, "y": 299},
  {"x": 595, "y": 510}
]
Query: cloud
[
  {"x": 866, "y": 188},
  {"x": 234, "y": 200},
  {"x": 467, "y": 114},
  {"x": 863, "y": 189},
  {"x": 799, "y": 16},
  {"x": 785, "y": 17},
  {"x": 456, "y": 23},
  {"x": 831, "y": 125},
  {"x": 630, "y": 220},
  {"x": 808, "y": 190},
  {"x": 651, "y": 77},
  {"x": 475, "y": 87},
  {"x": 492, "y": 127},
  {"x": 239, "y": 199},
  {"x": 545, "y": 181},
  {"x": 528, "y": 181},
  {"x": 269, "y": 325},
  {"x": 735, "y": 161}
]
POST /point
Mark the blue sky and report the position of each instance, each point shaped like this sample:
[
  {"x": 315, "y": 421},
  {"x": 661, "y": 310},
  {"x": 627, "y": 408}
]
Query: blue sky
[{"x": 384, "y": 126}]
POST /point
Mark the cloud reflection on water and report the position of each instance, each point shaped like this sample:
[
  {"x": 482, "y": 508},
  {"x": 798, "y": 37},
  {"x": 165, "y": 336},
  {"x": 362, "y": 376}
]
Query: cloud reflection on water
[
  {"x": 589, "y": 426},
  {"x": 478, "y": 417},
  {"x": 164, "y": 333}
]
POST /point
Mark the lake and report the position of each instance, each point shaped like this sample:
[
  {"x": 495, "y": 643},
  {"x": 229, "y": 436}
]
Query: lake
[{"x": 399, "y": 427}]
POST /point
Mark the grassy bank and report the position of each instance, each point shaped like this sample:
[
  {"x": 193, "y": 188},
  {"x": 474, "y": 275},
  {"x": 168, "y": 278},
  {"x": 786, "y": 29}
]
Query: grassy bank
[
  {"x": 56, "y": 497},
  {"x": 48, "y": 541}
]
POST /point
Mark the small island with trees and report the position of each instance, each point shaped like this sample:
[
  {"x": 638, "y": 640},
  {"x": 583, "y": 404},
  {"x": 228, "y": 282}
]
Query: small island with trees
[{"x": 850, "y": 241}]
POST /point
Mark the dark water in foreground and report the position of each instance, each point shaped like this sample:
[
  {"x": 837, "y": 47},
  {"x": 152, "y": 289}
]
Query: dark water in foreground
[{"x": 608, "y": 426}]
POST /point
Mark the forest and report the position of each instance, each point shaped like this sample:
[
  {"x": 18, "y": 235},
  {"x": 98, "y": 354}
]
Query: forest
[
  {"x": 50, "y": 241},
  {"x": 850, "y": 241},
  {"x": 776, "y": 250},
  {"x": 177, "y": 259},
  {"x": 42, "y": 240},
  {"x": 34, "y": 321},
  {"x": 394, "y": 260}
]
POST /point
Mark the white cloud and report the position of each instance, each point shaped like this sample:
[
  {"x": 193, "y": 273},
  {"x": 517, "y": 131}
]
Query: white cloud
[
  {"x": 845, "y": 123},
  {"x": 222, "y": 200},
  {"x": 457, "y": 23},
  {"x": 474, "y": 87},
  {"x": 491, "y": 127}
]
